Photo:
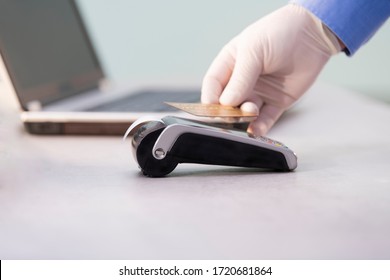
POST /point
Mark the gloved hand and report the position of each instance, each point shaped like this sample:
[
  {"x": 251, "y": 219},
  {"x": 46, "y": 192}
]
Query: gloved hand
[{"x": 268, "y": 66}]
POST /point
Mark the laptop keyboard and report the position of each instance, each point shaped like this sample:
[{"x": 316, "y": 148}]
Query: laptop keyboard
[{"x": 149, "y": 101}]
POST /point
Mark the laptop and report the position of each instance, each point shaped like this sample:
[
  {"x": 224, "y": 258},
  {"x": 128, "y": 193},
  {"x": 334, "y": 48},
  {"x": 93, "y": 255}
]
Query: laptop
[{"x": 59, "y": 82}]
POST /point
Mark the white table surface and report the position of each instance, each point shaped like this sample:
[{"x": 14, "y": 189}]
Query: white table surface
[{"x": 84, "y": 198}]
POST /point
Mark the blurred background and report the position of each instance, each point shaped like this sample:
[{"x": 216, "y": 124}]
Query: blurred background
[{"x": 175, "y": 38}]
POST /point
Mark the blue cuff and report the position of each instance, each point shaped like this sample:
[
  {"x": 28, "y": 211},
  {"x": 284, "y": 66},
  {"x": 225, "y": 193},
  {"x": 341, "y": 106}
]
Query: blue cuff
[{"x": 353, "y": 21}]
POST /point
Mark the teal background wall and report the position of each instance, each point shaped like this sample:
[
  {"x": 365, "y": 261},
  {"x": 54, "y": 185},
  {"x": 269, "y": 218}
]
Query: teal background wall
[{"x": 172, "y": 38}]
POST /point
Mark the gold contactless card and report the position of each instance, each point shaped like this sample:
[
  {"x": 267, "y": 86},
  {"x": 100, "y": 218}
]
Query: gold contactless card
[{"x": 212, "y": 110}]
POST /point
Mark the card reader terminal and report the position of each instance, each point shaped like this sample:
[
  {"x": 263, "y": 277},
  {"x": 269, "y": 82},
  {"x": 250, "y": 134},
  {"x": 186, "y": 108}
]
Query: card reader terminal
[{"x": 159, "y": 145}]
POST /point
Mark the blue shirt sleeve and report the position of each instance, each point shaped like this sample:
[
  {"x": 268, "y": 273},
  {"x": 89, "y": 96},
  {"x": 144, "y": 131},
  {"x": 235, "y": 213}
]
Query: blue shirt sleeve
[{"x": 353, "y": 21}]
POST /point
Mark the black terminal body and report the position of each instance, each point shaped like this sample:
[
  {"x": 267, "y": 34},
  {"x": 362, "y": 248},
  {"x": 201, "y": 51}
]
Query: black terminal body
[{"x": 159, "y": 146}]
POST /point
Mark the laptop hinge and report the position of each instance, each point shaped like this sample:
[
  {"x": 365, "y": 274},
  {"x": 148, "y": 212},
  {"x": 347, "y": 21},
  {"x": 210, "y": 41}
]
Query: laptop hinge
[{"x": 34, "y": 105}]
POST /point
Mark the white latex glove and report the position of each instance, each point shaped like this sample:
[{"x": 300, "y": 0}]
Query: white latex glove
[{"x": 268, "y": 66}]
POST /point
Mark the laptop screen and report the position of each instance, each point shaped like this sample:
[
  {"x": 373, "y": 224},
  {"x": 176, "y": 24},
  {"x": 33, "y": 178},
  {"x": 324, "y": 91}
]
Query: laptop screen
[{"x": 46, "y": 50}]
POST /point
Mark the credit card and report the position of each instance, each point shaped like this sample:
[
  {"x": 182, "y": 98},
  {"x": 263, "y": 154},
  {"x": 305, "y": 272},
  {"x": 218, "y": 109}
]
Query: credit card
[{"x": 212, "y": 110}]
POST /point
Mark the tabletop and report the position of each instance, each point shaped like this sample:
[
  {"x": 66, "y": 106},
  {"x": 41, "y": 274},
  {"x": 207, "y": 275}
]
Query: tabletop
[{"x": 75, "y": 197}]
